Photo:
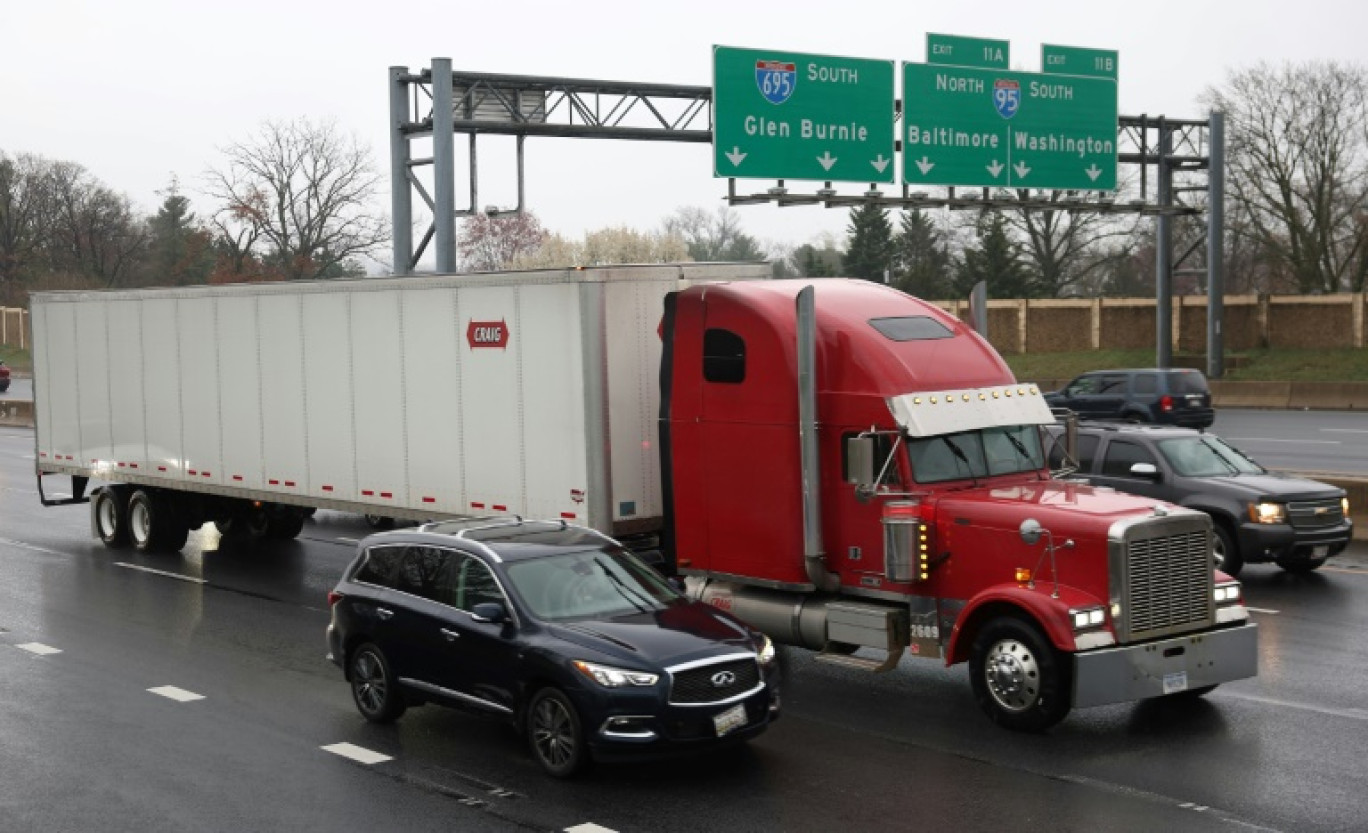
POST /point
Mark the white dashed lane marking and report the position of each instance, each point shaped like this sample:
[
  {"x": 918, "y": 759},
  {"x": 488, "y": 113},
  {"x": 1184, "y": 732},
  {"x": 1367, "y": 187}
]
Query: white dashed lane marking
[
  {"x": 180, "y": 695},
  {"x": 589, "y": 827},
  {"x": 357, "y": 753},
  {"x": 176, "y": 576},
  {"x": 1262, "y": 610},
  {"x": 38, "y": 648}
]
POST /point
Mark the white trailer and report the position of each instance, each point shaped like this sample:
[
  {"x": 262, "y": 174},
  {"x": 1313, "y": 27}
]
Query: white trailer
[{"x": 524, "y": 393}]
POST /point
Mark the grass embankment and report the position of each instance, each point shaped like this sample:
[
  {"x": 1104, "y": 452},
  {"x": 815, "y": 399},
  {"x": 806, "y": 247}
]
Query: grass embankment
[
  {"x": 1341, "y": 365},
  {"x": 16, "y": 359}
]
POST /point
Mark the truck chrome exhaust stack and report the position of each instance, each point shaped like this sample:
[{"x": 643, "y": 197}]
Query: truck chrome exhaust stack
[{"x": 814, "y": 556}]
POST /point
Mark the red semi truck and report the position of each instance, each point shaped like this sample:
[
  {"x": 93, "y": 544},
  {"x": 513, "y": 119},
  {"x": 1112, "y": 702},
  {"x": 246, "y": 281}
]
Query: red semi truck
[{"x": 847, "y": 468}]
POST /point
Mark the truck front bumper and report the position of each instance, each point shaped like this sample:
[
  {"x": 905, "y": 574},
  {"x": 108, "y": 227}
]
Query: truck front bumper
[{"x": 1166, "y": 666}]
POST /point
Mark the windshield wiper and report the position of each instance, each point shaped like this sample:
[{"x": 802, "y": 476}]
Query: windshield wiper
[{"x": 623, "y": 590}]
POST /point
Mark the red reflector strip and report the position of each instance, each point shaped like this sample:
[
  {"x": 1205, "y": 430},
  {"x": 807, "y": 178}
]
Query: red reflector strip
[
  {"x": 474, "y": 505},
  {"x": 290, "y": 483},
  {"x": 42, "y": 454},
  {"x": 387, "y": 494},
  {"x": 237, "y": 477},
  {"x": 192, "y": 472},
  {"x": 161, "y": 468},
  {"x": 568, "y": 515},
  {"x": 122, "y": 465},
  {"x": 204, "y": 474},
  {"x": 327, "y": 488},
  {"x": 133, "y": 465},
  {"x": 368, "y": 493},
  {"x": 273, "y": 482},
  {"x": 498, "y": 507},
  {"x": 429, "y": 500}
]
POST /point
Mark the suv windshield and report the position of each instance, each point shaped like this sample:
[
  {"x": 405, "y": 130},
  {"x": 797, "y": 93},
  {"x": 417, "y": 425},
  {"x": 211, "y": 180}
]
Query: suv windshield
[
  {"x": 592, "y": 583},
  {"x": 981, "y": 453},
  {"x": 1206, "y": 456}
]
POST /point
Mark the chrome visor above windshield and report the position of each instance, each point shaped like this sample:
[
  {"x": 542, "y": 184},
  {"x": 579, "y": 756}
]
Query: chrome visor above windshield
[{"x": 948, "y": 411}]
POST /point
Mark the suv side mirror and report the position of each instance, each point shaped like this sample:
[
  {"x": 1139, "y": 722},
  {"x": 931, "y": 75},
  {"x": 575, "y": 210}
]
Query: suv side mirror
[
  {"x": 1148, "y": 471},
  {"x": 490, "y": 612}
]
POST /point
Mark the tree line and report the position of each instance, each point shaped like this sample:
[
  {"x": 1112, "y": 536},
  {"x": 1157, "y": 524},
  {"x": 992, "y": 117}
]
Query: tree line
[{"x": 297, "y": 200}]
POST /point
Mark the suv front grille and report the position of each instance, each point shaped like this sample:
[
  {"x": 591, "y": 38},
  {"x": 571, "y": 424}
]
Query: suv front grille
[
  {"x": 1168, "y": 580},
  {"x": 1313, "y": 514},
  {"x": 715, "y": 682}
]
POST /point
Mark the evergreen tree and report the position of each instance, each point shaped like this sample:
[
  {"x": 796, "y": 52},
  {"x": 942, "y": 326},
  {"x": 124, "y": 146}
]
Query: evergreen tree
[
  {"x": 814, "y": 262},
  {"x": 180, "y": 251},
  {"x": 869, "y": 253},
  {"x": 995, "y": 259},
  {"x": 922, "y": 264}
]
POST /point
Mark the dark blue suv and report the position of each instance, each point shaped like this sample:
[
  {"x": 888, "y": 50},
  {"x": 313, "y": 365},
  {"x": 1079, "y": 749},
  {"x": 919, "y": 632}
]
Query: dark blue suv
[
  {"x": 1155, "y": 395},
  {"x": 590, "y": 652}
]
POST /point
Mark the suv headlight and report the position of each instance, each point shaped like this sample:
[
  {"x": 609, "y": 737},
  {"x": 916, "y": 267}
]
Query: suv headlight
[
  {"x": 610, "y": 677},
  {"x": 1344, "y": 506},
  {"x": 1267, "y": 512},
  {"x": 765, "y": 653}
]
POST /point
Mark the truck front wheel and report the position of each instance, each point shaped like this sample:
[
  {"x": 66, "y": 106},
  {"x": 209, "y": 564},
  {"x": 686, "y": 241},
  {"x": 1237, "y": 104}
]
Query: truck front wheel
[{"x": 1018, "y": 678}]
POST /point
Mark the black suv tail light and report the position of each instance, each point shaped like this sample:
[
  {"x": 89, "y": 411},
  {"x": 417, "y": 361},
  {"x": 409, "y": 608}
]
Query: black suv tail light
[
  {"x": 334, "y": 597},
  {"x": 1166, "y": 403}
]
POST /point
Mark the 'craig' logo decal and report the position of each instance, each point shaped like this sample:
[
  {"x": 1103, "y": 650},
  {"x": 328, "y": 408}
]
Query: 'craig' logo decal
[{"x": 487, "y": 334}]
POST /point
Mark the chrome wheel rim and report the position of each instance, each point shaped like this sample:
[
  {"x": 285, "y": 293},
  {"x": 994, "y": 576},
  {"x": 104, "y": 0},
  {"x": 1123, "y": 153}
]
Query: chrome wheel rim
[
  {"x": 139, "y": 522},
  {"x": 1013, "y": 676},
  {"x": 1218, "y": 551},
  {"x": 553, "y": 732},
  {"x": 368, "y": 682},
  {"x": 108, "y": 522}
]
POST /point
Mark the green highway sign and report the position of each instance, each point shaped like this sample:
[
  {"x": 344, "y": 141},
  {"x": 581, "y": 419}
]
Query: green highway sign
[
  {"x": 1073, "y": 60},
  {"x": 954, "y": 50},
  {"x": 1009, "y": 129},
  {"x": 790, "y": 115}
]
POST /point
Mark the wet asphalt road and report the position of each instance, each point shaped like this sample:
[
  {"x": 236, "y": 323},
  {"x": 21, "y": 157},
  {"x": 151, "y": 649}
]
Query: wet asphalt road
[{"x": 85, "y": 744}]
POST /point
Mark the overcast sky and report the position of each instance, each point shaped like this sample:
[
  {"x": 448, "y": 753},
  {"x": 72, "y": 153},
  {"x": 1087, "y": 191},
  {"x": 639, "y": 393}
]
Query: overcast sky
[{"x": 138, "y": 91}]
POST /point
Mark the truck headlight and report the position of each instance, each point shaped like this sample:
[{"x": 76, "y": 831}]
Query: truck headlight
[
  {"x": 1344, "y": 506},
  {"x": 610, "y": 677},
  {"x": 1266, "y": 512},
  {"x": 1087, "y": 618},
  {"x": 1227, "y": 594}
]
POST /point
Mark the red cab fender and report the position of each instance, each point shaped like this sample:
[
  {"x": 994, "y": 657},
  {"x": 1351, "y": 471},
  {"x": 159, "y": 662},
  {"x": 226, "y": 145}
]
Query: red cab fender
[{"x": 1034, "y": 604}]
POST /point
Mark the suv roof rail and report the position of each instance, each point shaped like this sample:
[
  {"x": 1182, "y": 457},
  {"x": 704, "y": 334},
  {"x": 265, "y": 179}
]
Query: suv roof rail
[{"x": 458, "y": 527}]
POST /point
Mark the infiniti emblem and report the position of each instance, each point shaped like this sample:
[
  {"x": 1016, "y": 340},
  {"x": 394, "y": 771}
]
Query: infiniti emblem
[{"x": 722, "y": 679}]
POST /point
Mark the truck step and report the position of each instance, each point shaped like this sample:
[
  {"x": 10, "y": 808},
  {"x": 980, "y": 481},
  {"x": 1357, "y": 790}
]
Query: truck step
[{"x": 875, "y": 666}]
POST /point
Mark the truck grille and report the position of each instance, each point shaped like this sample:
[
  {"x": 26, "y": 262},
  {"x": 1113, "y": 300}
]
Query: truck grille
[
  {"x": 1167, "y": 579},
  {"x": 1312, "y": 514},
  {"x": 715, "y": 682}
]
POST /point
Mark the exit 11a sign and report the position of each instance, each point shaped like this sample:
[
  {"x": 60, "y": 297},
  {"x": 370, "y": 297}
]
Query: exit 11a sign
[{"x": 792, "y": 115}]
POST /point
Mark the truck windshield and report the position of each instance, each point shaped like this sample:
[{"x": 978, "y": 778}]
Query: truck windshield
[{"x": 981, "y": 453}]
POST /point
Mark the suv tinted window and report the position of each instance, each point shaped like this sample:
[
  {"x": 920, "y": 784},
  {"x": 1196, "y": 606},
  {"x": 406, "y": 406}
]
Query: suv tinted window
[
  {"x": 1111, "y": 383},
  {"x": 427, "y": 572},
  {"x": 477, "y": 585},
  {"x": 1121, "y": 455},
  {"x": 1087, "y": 450},
  {"x": 1187, "y": 382},
  {"x": 381, "y": 566},
  {"x": 1145, "y": 383}
]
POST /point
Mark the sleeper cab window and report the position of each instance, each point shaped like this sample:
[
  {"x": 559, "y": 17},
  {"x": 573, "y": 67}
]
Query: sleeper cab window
[{"x": 724, "y": 357}]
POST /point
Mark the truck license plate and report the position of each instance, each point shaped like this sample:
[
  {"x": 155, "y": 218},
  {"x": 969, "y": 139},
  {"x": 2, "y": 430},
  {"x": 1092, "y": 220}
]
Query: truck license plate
[
  {"x": 1175, "y": 682},
  {"x": 1320, "y": 552},
  {"x": 733, "y": 718}
]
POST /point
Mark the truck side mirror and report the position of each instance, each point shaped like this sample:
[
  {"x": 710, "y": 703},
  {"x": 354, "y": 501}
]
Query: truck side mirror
[{"x": 859, "y": 463}]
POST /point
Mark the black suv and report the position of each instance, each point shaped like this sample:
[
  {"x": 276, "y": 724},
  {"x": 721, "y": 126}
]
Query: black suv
[
  {"x": 586, "y": 649},
  {"x": 1257, "y": 515},
  {"x": 1166, "y": 397}
]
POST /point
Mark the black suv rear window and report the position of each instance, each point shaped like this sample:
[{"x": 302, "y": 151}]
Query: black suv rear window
[{"x": 1189, "y": 382}]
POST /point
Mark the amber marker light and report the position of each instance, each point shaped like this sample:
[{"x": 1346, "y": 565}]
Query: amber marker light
[{"x": 1023, "y": 575}]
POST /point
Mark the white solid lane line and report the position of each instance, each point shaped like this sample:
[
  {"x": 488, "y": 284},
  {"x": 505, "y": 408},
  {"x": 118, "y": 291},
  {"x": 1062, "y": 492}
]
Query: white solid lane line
[
  {"x": 1262, "y": 610},
  {"x": 357, "y": 753},
  {"x": 176, "y": 576},
  {"x": 38, "y": 648},
  {"x": 180, "y": 695}
]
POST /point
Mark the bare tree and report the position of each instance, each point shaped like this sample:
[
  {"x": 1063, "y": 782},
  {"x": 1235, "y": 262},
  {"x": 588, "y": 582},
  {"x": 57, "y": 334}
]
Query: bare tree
[
  {"x": 94, "y": 231},
  {"x": 297, "y": 200},
  {"x": 25, "y": 204},
  {"x": 713, "y": 237},
  {"x": 490, "y": 243},
  {"x": 618, "y": 244},
  {"x": 1296, "y": 157}
]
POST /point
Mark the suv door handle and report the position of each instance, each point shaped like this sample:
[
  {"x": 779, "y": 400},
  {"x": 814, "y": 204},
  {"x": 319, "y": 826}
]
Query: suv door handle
[
  {"x": 383, "y": 613},
  {"x": 451, "y": 636}
]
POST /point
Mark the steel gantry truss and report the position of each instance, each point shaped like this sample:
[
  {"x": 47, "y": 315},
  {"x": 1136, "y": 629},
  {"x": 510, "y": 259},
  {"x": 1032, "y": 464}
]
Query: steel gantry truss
[{"x": 1172, "y": 167}]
